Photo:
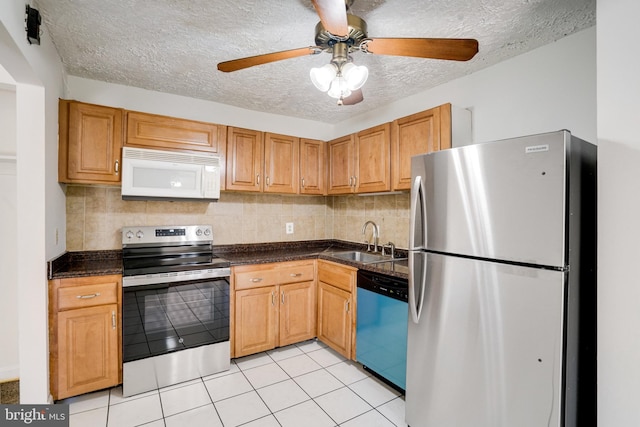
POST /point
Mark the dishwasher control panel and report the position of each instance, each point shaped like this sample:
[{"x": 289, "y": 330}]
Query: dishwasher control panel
[{"x": 392, "y": 287}]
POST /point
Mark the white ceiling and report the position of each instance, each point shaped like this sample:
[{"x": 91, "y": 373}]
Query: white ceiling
[{"x": 173, "y": 46}]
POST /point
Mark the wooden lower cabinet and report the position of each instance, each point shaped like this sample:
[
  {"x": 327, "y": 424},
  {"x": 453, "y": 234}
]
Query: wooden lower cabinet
[
  {"x": 334, "y": 318},
  {"x": 273, "y": 305},
  {"x": 84, "y": 334},
  {"x": 297, "y": 320},
  {"x": 88, "y": 359},
  {"x": 337, "y": 307},
  {"x": 255, "y": 320}
]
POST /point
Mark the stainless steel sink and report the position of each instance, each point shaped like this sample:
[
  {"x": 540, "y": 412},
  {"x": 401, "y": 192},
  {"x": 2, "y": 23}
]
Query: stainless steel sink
[{"x": 363, "y": 257}]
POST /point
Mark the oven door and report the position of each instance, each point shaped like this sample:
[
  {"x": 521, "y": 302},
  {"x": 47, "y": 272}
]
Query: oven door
[
  {"x": 160, "y": 319},
  {"x": 174, "y": 332}
]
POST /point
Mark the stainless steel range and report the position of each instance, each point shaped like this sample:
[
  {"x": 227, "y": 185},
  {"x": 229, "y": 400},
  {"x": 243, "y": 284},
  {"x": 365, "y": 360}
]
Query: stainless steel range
[{"x": 175, "y": 307}]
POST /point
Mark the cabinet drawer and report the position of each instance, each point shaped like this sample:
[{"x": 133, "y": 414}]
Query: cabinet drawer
[
  {"x": 337, "y": 275},
  {"x": 297, "y": 273},
  {"x": 87, "y": 295},
  {"x": 255, "y": 278}
]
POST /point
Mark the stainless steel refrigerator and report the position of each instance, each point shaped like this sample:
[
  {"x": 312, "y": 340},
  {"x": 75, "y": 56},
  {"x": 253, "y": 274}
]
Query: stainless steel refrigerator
[{"x": 502, "y": 285}]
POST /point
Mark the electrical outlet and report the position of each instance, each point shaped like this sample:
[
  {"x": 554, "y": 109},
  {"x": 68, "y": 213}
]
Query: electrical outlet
[{"x": 289, "y": 228}]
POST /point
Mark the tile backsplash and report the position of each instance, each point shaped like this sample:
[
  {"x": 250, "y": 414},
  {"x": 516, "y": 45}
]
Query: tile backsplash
[{"x": 95, "y": 216}]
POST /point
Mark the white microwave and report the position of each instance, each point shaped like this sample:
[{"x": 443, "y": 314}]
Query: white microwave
[{"x": 169, "y": 175}]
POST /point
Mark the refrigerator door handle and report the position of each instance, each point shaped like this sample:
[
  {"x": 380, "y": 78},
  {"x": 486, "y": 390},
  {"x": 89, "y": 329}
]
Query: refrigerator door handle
[
  {"x": 417, "y": 282},
  {"x": 416, "y": 202},
  {"x": 417, "y": 273}
]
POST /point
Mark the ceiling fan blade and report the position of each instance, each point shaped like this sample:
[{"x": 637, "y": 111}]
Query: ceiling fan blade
[
  {"x": 250, "y": 61},
  {"x": 452, "y": 49},
  {"x": 354, "y": 98},
  {"x": 333, "y": 15}
]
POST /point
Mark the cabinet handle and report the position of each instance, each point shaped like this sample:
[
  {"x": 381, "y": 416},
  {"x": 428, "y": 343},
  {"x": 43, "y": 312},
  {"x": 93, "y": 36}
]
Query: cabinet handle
[
  {"x": 350, "y": 181},
  {"x": 302, "y": 182},
  {"x": 273, "y": 298},
  {"x": 117, "y": 167},
  {"x": 282, "y": 299},
  {"x": 346, "y": 305},
  {"x": 256, "y": 279},
  {"x": 295, "y": 274},
  {"x": 113, "y": 319},
  {"x": 88, "y": 296},
  {"x": 257, "y": 179},
  {"x": 267, "y": 181},
  {"x": 355, "y": 181}
]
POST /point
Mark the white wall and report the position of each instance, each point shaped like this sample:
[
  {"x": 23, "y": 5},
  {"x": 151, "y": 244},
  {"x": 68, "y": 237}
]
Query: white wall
[
  {"x": 550, "y": 88},
  {"x": 9, "y": 362},
  {"x": 547, "y": 89},
  {"x": 38, "y": 76},
  {"x": 618, "y": 213},
  {"x": 136, "y": 99}
]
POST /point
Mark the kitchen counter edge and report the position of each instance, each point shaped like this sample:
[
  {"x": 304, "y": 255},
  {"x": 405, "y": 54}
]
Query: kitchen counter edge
[{"x": 106, "y": 262}]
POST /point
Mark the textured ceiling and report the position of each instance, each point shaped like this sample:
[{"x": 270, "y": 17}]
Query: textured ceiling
[{"x": 173, "y": 46}]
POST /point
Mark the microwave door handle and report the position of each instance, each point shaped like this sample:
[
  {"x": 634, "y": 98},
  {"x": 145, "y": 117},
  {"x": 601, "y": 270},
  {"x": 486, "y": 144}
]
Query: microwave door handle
[{"x": 202, "y": 182}]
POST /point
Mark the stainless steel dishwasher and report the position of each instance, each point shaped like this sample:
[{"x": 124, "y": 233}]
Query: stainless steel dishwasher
[{"x": 381, "y": 327}]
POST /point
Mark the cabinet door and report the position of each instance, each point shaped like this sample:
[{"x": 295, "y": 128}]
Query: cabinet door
[
  {"x": 87, "y": 349},
  {"x": 373, "y": 170},
  {"x": 281, "y": 163},
  {"x": 170, "y": 133},
  {"x": 334, "y": 318},
  {"x": 297, "y": 312},
  {"x": 419, "y": 133},
  {"x": 341, "y": 176},
  {"x": 255, "y": 320},
  {"x": 90, "y": 143},
  {"x": 312, "y": 166},
  {"x": 244, "y": 160}
]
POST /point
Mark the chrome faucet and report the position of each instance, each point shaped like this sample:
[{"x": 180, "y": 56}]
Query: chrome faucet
[{"x": 376, "y": 234}]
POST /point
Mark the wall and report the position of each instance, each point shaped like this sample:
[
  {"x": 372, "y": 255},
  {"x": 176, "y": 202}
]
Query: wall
[
  {"x": 95, "y": 216},
  {"x": 547, "y": 89},
  {"x": 618, "y": 213},
  {"x": 550, "y": 88},
  {"x": 136, "y": 99},
  {"x": 9, "y": 363},
  {"x": 37, "y": 73}
]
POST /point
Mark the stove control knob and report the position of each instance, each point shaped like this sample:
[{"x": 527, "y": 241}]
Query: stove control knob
[
  {"x": 139, "y": 234},
  {"x": 129, "y": 234},
  {"x": 198, "y": 232},
  {"x": 207, "y": 232}
]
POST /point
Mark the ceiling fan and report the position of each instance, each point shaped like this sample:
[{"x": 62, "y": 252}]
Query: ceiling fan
[{"x": 341, "y": 33}]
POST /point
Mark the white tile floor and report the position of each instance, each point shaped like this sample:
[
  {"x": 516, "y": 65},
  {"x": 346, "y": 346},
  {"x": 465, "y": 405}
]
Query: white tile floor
[{"x": 302, "y": 385}]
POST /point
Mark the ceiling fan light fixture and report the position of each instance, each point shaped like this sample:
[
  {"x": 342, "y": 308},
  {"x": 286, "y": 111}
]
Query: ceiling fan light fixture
[
  {"x": 339, "y": 88},
  {"x": 355, "y": 75},
  {"x": 323, "y": 76}
]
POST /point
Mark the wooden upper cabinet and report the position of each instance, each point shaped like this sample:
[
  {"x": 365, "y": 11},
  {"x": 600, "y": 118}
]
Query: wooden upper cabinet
[
  {"x": 373, "y": 167},
  {"x": 90, "y": 143},
  {"x": 313, "y": 170},
  {"x": 341, "y": 153},
  {"x": 281, "y": 160},
  {"x": 170, "y": 133},
  {"x": 244, "y": 159},
  {"x": 419, "y": 133}
]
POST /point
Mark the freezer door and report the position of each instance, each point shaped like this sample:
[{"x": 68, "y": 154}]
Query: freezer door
[
  {"x": 487, "y": 351},
  {"x": 502, "y": 200}
]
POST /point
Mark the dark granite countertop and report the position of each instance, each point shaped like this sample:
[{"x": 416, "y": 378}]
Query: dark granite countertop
[
  {"x": 97, "y": 263},
  {"x": 85, "y": 263}
]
